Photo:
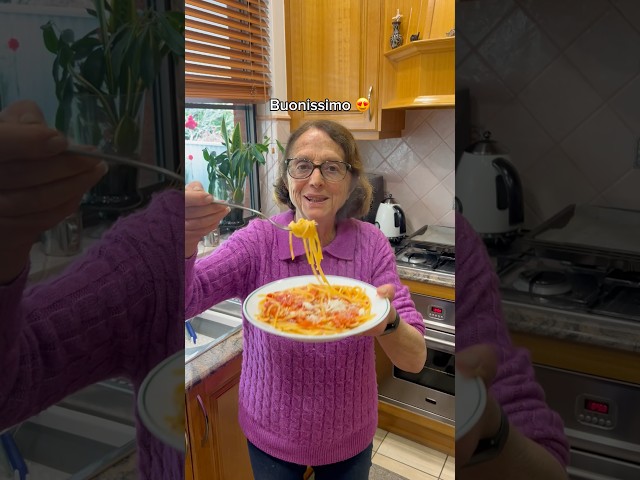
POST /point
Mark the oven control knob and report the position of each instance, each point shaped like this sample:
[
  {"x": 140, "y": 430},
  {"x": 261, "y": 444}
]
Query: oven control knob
[
  {"x": 601, "y": 422},
  {"x": 594, "y": 420},
  {"x": 608, "y": 423},
  {"x": 581, "y": 417},
  {"x": 588, "y": 418}
]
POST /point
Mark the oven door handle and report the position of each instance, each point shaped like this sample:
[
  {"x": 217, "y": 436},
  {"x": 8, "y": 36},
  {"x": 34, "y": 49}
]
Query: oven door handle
[
  {"x": 440, "y": 344},
  {"x": 579, "y": 474}
]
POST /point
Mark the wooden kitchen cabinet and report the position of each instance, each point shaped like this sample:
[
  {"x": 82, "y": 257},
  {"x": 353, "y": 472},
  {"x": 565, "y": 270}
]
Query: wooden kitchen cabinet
[
  {"x": 217, "y": 447},
  {"x": 420, "y": 74},
  {"x": 334, "y": 52}
]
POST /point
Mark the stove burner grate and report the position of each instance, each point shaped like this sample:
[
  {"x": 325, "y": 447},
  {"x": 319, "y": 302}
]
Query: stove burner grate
[{"x": 543, "y": 282}]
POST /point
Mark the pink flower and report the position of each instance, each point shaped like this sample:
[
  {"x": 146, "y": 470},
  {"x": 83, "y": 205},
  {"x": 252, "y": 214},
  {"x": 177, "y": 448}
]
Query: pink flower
[
  {"x": 190, "y": 157},
  {"x": 191, "y": 123},
  {"x": 13, "y": 44}
]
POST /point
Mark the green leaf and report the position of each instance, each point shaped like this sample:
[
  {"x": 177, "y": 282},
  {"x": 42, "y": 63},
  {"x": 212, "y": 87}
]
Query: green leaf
[
  {"x": 83, "y": 47},
  {"x": 223, "y": 132},
  {"x": 92, "y": 12},
  {"x": 126, "y": 136},
  {"x": 171, "y": 34},
  {"x": 236, "y": 142},
  {"x": 93, "y": 68},
  {"x": 49, "y": 37}
]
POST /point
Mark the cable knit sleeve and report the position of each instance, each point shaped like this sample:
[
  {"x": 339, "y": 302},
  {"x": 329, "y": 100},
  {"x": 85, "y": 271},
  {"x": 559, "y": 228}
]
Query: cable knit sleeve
[
  {"x": 385, "y": 271},
  {"x": 115, "y": 311},
  {"x": 479, "y": 320}
]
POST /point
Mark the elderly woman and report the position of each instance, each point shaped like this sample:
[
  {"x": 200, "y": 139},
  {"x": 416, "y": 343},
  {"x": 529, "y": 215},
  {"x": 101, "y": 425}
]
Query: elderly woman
[{"x": 307, "y": 403}]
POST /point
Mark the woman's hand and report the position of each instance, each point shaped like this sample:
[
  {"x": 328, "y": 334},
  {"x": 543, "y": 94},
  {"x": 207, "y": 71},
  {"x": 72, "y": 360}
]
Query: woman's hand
[
  {"x": 478, "y": 361},
  {"x": 383, "y": 291},
  {"x": 39, "y": 184},
  {"x": 200, "y": 216}
]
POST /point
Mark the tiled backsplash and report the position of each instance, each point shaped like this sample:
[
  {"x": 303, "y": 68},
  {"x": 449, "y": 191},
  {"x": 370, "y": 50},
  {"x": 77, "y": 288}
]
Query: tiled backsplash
[
  {"x": 418, "y": 168},
  {"x": 558, "y": 84}
]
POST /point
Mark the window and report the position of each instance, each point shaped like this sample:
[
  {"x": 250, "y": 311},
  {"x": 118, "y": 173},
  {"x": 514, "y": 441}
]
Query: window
[
  {"x": 203, "y": 131},
  {"x": 226, "y": 74}
]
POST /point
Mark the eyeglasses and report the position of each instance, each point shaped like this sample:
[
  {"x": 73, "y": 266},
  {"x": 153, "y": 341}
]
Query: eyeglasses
[{"x": 331, "y": 170}]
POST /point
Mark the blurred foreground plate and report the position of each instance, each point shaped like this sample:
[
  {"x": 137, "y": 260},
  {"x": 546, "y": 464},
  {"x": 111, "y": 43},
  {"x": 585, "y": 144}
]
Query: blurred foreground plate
[
  {"x": 157, "y": 401},
  {"x": 471, "y": 398}
]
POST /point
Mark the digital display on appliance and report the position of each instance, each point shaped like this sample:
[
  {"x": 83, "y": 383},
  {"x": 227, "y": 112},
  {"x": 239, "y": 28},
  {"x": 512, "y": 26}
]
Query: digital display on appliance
[
  {"x": 598, "y": 407},
  {"x": 437, "y": 310}
]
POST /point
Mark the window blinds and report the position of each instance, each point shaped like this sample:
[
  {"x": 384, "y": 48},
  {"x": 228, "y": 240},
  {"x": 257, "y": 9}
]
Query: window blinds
[{"x": 227, "y": 50}]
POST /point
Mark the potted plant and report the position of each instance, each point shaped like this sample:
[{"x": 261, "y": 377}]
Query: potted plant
[
  {"x": 229, "y": 169},
  {"x": 101, "y": 79}
]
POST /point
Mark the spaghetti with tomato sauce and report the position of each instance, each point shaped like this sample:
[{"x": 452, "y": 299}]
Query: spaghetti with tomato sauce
[{"x": 314, "y": 309}]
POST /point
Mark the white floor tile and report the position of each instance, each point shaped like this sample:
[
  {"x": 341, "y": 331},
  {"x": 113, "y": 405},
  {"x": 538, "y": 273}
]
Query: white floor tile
[
  {"x": 377, "y": 440},
  {"x": 401, "y": 468},
  {"x": 449, "y": 470},
  {"x": 411, "y": 453}
]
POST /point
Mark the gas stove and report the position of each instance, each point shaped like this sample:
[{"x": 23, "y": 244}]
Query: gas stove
[
  {"x": 423, "y": 258},
  {"x": 528, "y": 279}
]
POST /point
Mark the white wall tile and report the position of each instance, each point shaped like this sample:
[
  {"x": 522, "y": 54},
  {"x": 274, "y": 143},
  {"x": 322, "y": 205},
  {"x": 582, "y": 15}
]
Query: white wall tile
[
  {"x": 560, "y": 98},
  {"x": 602, "y": 148},
  {"x": 631, "y": 11},
  {"x": 488, "y": 93},
  {"x": 624, "y": 193},
  {"x": 517, "y": 50},
  {"x": 554, "y": 181},
  {"x": 605, "y": 59},
  {"x": 626, "y": 103},
  {"x": 564, "y": 21},
  {"x": 507, "y": 127},
  {"x": 484, "y": 14},
  {"x": 403, "y": 159}
]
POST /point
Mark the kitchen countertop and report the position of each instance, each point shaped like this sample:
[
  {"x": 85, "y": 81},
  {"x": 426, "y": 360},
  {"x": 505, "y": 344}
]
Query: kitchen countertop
[
  {"x": 426, "y": 276},
  {"x": 615, "y": 334}
]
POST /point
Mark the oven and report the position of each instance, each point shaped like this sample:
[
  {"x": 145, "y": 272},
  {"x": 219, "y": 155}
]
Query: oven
[
  {"x": 431, "y": 392},
  {"x": 601, "y": 422}
]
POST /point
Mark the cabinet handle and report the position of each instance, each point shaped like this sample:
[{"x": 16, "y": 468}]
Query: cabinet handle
[
  {"x": 369, "y": 100},
  {"x": 205, "y": 438}
]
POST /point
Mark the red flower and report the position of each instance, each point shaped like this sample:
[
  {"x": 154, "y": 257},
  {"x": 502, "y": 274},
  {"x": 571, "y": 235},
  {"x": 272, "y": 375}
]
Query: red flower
[
  {"x": 13, "y": 44},
  {"x": 191, "y": 123},
  {"x": 190, "y": 157}
]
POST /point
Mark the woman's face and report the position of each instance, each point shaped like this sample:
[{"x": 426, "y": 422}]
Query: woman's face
[{"x": 315, "y": 197}]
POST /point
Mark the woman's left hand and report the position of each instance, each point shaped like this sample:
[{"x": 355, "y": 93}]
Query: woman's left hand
[
  {"x": 384, "y": 291},
  {"x": 478, "y": 361}
]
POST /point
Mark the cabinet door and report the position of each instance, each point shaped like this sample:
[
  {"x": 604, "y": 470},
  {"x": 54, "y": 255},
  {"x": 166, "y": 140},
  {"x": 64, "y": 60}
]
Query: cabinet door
[
  {"x": 204, "y": 463},
  {"x": 188, "y": 466},
  {"x": 334, "y": 54},
  {"x": 443, "y": 17},
  {"x": 230, "y": 443}
]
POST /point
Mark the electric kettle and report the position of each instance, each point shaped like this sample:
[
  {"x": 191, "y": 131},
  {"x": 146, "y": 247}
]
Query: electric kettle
[
  {"x": 488, "y": 190},
  {"x": 390, "y": 219}
]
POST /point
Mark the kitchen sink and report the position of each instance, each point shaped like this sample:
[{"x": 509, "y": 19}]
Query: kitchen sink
[
  {"x": 81, "y": 436},
  {"x": 212, "y": 327}
]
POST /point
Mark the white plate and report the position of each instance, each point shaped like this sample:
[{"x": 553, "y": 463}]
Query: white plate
[
  {"x": 156, "y": 400},
  {"x": 471, "y": 398},
  {"x": 379, "y": 307}
]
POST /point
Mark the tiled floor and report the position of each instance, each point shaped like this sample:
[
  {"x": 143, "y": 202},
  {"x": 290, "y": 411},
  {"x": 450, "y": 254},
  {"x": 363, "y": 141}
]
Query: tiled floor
[{"x": 410, "y": 459}]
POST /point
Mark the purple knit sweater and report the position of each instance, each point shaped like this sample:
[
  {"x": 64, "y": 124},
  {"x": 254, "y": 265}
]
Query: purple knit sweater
[
  {"x": 115, "y": 312},
  {"x": 479, "y": 320},
  {"x": 308, "y": 403}
]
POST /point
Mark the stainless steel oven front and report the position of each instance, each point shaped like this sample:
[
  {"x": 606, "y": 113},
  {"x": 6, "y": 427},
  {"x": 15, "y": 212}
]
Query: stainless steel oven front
[{"x": 430, "y": 392}]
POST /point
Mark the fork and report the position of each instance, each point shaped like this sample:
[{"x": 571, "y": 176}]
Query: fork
[
  {"x": 232, "y": 205},
  {"x": 124, "y": 161}
]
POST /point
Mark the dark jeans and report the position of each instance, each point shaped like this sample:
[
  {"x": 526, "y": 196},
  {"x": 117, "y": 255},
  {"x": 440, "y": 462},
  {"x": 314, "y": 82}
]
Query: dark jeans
[{"x": 266, "y": 467}]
